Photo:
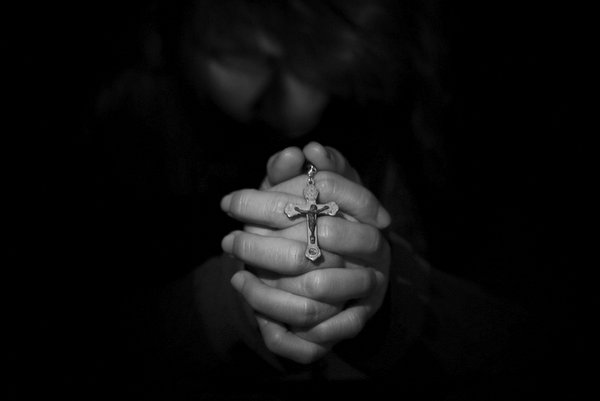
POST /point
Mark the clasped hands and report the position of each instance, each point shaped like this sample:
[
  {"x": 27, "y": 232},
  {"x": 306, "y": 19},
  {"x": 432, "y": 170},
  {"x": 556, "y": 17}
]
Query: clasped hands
[{"x": 303, "y": 308}]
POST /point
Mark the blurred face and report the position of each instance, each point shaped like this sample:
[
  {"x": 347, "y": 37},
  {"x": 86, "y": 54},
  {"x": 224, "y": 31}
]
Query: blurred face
[{"x": 249, "y": 83}]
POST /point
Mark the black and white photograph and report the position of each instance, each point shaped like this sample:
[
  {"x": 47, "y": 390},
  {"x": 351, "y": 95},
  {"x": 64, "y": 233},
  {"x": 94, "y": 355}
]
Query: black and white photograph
[{"x": 290, "y": 200}]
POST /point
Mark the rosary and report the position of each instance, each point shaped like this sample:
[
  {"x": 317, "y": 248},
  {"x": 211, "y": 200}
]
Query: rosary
[{"x": 312, "y": 212}]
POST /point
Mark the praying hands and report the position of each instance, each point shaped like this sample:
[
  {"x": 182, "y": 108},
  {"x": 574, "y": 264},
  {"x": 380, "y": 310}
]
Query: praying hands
[{"x": 305, "y": 305}]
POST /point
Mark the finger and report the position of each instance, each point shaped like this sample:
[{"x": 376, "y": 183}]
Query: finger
[
  {"x": 352, "y": 240},
  {"x": 281, "y": 305},
  {"x": 265, "y": 208},
  {"x": 279, "y": 255},
  {"x": 344, "y": 238},
  {"x": 330, "y": 285},
  {"x": 330, "y": 159},
  {"x": 288, "y": 345},
  {"x": 349, "y": 322},
  {"x": 373, "y": 251},
  {"x": 282, "y": 166},
  {"x": 345, "y": 325},
  {"x": 352, "y": 198}
]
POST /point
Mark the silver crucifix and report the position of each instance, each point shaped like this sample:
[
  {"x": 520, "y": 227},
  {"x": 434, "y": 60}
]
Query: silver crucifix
[{"x": 312, "y": 211}]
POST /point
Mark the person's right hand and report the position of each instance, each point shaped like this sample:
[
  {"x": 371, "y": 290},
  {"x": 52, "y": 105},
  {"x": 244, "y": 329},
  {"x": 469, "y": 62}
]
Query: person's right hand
[{"x": 304, "y": 308}]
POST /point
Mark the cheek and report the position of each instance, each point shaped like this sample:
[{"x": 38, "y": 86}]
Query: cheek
[{"x": 234, "y": 91}]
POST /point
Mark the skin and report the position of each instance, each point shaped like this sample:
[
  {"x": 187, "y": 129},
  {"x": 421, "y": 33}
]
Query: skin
[
  {"x": 256, "y": 86},
  {"x": 303, "y": 308}
]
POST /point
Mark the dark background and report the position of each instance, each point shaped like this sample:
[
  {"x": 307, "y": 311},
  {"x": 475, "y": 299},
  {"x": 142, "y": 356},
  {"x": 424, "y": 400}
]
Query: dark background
[{"x": 512, "y": 124}]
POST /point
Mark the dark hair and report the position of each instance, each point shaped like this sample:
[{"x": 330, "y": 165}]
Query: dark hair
[
  {"x": 357, "y": 49},
  {"x": 384, "y": 54}
]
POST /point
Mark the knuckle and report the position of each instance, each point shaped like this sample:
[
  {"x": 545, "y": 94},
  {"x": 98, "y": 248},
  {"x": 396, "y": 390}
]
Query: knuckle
[
  {"x": 240, "y": 203},
  {"x": 297, "y": 258},
  {"x": 367, "y": 203},
  {"x": 326, "y": 228},
  {"x": 242, "y": 246},
  {"x": 326, "y": 183},
  {"x": 373, "y": 240},
  {"x": 313, "y": 284},
  {"x": 310, "y": 313},
  {"x": 365, "y": 200}
]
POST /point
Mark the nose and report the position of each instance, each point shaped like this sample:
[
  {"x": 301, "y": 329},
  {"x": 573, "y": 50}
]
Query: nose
[{"x": 290, "y": 105}]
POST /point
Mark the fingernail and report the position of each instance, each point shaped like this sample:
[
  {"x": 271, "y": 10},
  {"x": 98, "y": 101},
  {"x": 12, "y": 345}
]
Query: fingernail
[
  {"x": 237, "y": 281},
  {"x": 383, "y": 217},
  {"x": 227, "y": 242}
]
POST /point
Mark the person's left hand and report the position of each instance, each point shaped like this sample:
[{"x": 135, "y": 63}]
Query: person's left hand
[
  {"x": 303, "y": 308},
  {"x": 290, "y": 162}
]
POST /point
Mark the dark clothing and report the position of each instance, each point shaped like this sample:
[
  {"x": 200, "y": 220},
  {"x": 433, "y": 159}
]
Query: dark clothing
[
  {"x": 155, "y": 315},
  {"x": 138, "y": 302},
  {"x": 116, "y": 229}
]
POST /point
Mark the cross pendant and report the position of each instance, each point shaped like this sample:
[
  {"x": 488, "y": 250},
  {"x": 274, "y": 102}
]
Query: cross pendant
[{"x": 312, "y": 211}]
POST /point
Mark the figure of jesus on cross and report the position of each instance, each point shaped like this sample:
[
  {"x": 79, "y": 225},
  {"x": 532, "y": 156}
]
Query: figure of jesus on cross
[{"x": 313, "y": 252}]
